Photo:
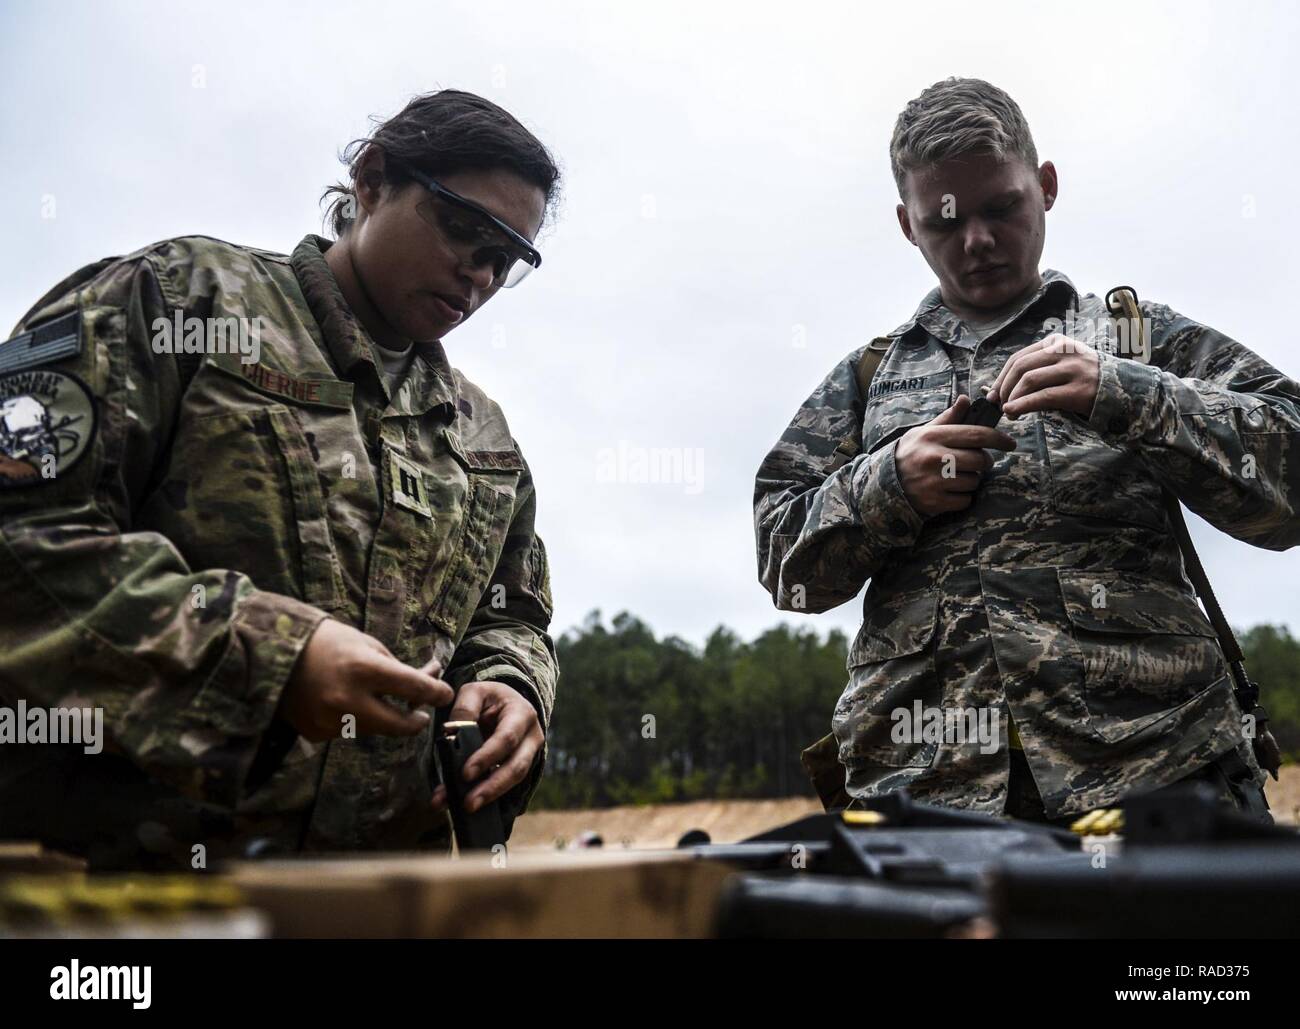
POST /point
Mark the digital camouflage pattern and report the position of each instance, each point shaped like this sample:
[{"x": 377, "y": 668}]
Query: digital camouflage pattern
[
  {"x": 173, "y": 573},
  {"x": 1058, "y": 597}
]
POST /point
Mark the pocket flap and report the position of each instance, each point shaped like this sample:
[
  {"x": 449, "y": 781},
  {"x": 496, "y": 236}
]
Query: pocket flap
[
  {"x": 486, "y": 460},
  {"x": 1119, "y": 602},
  {"x": 898, "y": 404},
  {"x": 895, "y": 630},
  {"x": 321, "y": 576}
]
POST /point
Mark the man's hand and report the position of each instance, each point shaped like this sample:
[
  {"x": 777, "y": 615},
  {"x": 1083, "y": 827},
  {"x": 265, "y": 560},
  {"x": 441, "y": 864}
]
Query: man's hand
[
  {"x": 1055, "y": 374},
  {"x": 512, "y": 737},
  {"x": 940, "y": 463},
  {"x": 345, "y": 672}
]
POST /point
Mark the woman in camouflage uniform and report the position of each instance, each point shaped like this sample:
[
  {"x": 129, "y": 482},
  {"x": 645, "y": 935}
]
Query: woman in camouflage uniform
[{"x": 286, "y": 528}]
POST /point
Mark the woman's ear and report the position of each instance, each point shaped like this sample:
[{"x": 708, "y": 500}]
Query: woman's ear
[{"x": 368, "y": 184}]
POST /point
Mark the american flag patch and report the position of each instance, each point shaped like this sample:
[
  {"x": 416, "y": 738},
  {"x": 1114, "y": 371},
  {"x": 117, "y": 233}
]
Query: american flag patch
[{"x": 44, "y": 344}]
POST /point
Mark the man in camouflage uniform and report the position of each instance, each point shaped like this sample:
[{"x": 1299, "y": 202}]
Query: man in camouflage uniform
[
  {"x": 266, "y": 565},
  {"x": 1026, "y": 570}
]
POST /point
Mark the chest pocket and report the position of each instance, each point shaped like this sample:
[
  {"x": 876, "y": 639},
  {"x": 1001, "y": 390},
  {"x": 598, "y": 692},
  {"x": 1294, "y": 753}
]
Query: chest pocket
[
  {"x": 492, "y": 477},
  {"x": 242, "y": 492},
  {"x": 896, "y": 403}
]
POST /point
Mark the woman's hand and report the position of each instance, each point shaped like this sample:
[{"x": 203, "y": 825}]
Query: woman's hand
[
  {"x": 343, "y": 672},
  {"x": 512, "y": 738}
]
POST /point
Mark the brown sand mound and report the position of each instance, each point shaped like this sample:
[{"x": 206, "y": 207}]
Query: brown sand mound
[{"x": 660, "y": 825}]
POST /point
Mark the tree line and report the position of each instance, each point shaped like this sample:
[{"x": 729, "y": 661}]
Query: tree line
[{"x": 644, "y": 720}]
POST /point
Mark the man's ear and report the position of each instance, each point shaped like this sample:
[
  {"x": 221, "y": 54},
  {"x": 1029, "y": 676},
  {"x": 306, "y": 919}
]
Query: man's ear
[
  {"x": 1048, "y": 183},
  {"x": 905, "y": 223}
]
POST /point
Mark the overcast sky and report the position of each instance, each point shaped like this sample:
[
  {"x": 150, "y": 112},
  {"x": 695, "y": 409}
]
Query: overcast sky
[{"x": 727, "y": 232}]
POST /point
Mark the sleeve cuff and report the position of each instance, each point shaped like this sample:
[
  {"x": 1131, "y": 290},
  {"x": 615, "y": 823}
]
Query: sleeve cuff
[
  {"x": 1124, "y": 408},
  {"x": 883, "y": 508},
  {"x": 507, "y": 674},
  {"x": 516, "y": 680},
  {"x": 240, "y": 700},
  {"x": 273, "y": 630}
]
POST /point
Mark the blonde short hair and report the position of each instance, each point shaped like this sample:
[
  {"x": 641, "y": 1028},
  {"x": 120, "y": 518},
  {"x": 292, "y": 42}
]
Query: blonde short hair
[{"x": 955, "y": 117}]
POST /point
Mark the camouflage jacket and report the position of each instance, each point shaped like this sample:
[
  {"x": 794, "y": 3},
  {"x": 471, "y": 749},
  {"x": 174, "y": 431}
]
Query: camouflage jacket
[
  {"x": 1059, "y": 595},
  {"x": 167, "y": 549}
]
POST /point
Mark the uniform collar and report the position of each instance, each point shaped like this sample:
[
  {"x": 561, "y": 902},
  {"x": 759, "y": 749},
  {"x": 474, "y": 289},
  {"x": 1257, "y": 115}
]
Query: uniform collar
[
  {"x": 429, "y": 383},
  {"x": 945, "y": 326}
]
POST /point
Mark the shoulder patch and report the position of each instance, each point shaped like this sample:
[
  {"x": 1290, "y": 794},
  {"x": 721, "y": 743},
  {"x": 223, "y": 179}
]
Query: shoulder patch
[
  {"x": 47, "y": 421},
  {"x": 45, "y": 344}
]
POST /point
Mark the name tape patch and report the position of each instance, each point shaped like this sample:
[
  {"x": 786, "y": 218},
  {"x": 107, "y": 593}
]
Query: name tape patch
[
  {"x": 908, "y": 384},
  {"x": 321, "y": 392}
]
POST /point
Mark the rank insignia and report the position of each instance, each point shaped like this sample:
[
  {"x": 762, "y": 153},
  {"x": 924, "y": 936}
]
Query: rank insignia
[{"x": 408, "y": 488}]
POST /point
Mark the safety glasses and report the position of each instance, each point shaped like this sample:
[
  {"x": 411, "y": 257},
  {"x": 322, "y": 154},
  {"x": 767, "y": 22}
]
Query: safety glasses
[{"x": 473, "y": 235}]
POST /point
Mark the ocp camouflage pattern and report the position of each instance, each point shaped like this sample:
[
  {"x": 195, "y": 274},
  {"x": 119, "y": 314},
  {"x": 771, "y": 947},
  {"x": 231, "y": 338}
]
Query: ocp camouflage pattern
[
  {"x": 173, "y": 574},
  {"x": 1058, "y": 597}
]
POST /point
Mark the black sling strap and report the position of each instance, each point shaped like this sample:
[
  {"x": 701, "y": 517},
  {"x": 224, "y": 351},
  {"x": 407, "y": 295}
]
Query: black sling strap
[
  {"x": 1196, "y": 572},
  {"x": 1122, "y": 302}
]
